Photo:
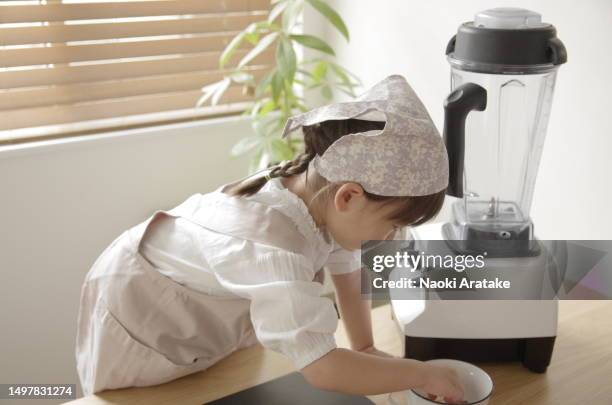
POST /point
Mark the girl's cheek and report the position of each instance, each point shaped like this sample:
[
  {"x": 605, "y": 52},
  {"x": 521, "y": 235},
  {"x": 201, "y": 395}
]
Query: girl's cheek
[{"x": 381, "y": 235}]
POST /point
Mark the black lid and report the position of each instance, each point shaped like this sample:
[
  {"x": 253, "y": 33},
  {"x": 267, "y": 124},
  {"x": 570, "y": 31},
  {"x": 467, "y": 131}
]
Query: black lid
[{"x": 506, "y": 40}]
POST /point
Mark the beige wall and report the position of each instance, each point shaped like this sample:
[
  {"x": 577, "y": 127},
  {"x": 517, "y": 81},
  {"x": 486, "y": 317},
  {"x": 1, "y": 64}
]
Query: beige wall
[{"x": 63, "y": 203}]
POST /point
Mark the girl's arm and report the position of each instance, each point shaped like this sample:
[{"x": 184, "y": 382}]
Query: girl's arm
[
  {"x": 355, "y": 310},
  {"x": 370, "y": 371},
  {"x": 358, "y": 373}
]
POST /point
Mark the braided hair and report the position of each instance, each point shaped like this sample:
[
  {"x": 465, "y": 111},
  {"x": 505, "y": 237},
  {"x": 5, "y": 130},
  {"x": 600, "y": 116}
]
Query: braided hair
[{"x": 317, "y": 138}]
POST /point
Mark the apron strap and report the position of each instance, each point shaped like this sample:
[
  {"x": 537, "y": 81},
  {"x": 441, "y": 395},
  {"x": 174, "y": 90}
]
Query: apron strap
[{"x": 234, "y": 216}]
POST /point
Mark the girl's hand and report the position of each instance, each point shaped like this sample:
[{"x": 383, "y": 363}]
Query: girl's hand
[
  {"x": 443, "y": 383},
  {"x": 373, "y": 350}
]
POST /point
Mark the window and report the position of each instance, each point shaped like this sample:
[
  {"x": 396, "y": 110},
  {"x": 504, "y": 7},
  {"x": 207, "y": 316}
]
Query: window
[{"x": 79, "y": 66}]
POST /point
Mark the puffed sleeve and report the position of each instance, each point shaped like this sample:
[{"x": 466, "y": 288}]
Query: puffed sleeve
[
  {"x": 287, "y": 311},
  {"x": 342, "y": 261}
]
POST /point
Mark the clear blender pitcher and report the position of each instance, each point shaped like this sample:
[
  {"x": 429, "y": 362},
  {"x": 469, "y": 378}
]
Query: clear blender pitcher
[{"x": 503, "y": 69}]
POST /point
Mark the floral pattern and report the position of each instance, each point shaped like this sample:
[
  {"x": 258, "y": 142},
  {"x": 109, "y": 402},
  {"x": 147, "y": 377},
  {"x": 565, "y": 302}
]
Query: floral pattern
[{"x": 406, "y": 158}]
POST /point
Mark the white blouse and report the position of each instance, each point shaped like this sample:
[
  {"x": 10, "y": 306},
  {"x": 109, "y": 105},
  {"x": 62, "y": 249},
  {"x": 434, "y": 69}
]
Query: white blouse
[{"x": 287, "y": 310}]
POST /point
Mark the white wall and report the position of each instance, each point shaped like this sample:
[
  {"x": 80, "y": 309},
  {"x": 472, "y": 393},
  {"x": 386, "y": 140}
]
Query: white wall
[
  {"x": 409, "y": 37},
  {"x": 63, "y": 203}
]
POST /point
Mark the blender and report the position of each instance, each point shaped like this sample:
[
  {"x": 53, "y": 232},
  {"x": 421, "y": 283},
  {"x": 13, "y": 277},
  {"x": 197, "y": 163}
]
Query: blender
[{"x": 503, "y": 70}]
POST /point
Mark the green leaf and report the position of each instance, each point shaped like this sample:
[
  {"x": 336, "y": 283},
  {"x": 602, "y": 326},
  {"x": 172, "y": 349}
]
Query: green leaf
[
  {"x": 277, "y": 84},
  {"x": 286, "y": 59},
  {"x": 326, "y": 92},
  {"x": 209, "y": 91},
  {"x": 225, "y": 83},
  {"x": 313, "y": 42},
  {"x": 245, "y": 145},
  {"x": 257, "y": 125},
  {"x": 255, "y": 161},
  {"x": 310, "y": 61},
  {"x": 260, "y": 47},
  {"x": 266, "y": 108},
  {"x": 253, "y": 31},
  {"x": 341, "y": 75},
  {"x": 257, "y": 106},
  {"x": 231, "y": 48},
  {"x": 356, "y": 79},
  {"x": 257, "y": 27},
  {"x": 295, "y": 142},
  {"x": 274, "y": 124},
  {"x": 304, "y": 72},
  {"x": 291, "y": 13},
  {"x": 319, "y": 71},
  {"x": 281, "y": 150},
  {"x": 277, "y": 10},
  {"x": 252, "y": 28},
  {"x": 252, "y": 37},
  {"x": 331, "y": 15},
  {"x": 241, "y": 77},
  {"x": 263, "y": 84}
]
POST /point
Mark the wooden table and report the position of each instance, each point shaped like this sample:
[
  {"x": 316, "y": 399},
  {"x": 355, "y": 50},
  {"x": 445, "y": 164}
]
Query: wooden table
[{"x": 580, "y": 372}]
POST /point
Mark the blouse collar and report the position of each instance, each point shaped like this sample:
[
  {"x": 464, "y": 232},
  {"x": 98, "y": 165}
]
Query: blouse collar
[{"x": 297, "y": 210}]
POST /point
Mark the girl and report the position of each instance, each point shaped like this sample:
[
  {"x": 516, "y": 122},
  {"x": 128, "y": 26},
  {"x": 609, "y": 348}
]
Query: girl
[{"x": 243, "y": 264}]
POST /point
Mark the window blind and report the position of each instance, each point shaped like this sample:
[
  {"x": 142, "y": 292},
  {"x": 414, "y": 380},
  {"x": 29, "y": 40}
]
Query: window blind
[{"x": 79, "y": 66}]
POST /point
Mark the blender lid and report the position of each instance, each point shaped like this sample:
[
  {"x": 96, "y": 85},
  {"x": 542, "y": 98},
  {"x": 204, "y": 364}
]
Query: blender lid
[
  {"x": 506, "y": 40},
  {"x": 509, "y": 18}
]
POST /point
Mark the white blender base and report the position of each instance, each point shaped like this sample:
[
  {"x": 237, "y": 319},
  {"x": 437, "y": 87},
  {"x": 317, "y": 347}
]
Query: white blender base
[
  {"x": 482, "y": 321},
  {"x": 476, "y": 319}
]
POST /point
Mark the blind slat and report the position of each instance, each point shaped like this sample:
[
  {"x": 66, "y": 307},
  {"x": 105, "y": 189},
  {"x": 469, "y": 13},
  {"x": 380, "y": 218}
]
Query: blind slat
[
  {"x": 10, "y": 13},
  {"x": 32, "y": 117},
  {"x": 62, "y": 53},
  {"x": 87, "y": 65},
  {"x": 120, "y": 69},
  {"x": 60, "y": 32},
  {"x": 76, "y": 93},
  {"x": 13, "y": 136}
]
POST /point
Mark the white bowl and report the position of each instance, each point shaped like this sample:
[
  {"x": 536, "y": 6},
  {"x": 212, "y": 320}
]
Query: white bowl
[{"x": 477, "y": 384}]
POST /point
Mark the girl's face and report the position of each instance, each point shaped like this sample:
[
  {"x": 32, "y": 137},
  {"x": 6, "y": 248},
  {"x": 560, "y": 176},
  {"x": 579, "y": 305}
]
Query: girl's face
[{"x": 352, "y": 218}]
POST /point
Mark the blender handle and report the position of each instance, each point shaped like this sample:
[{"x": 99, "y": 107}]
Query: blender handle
[
  {"x": 457, "y": 106},
  {"x": 558, "y": 54}
]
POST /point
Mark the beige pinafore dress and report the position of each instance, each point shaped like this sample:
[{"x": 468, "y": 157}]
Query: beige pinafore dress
[{"x": 137, "y": 327}]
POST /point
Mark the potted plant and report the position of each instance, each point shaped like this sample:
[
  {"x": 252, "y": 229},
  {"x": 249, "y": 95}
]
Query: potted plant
[{"x": 280, "y": 92}]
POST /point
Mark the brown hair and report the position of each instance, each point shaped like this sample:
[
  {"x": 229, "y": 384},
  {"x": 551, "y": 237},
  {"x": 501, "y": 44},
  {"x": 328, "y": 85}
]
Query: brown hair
[{"x": 317, "y": 138}]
